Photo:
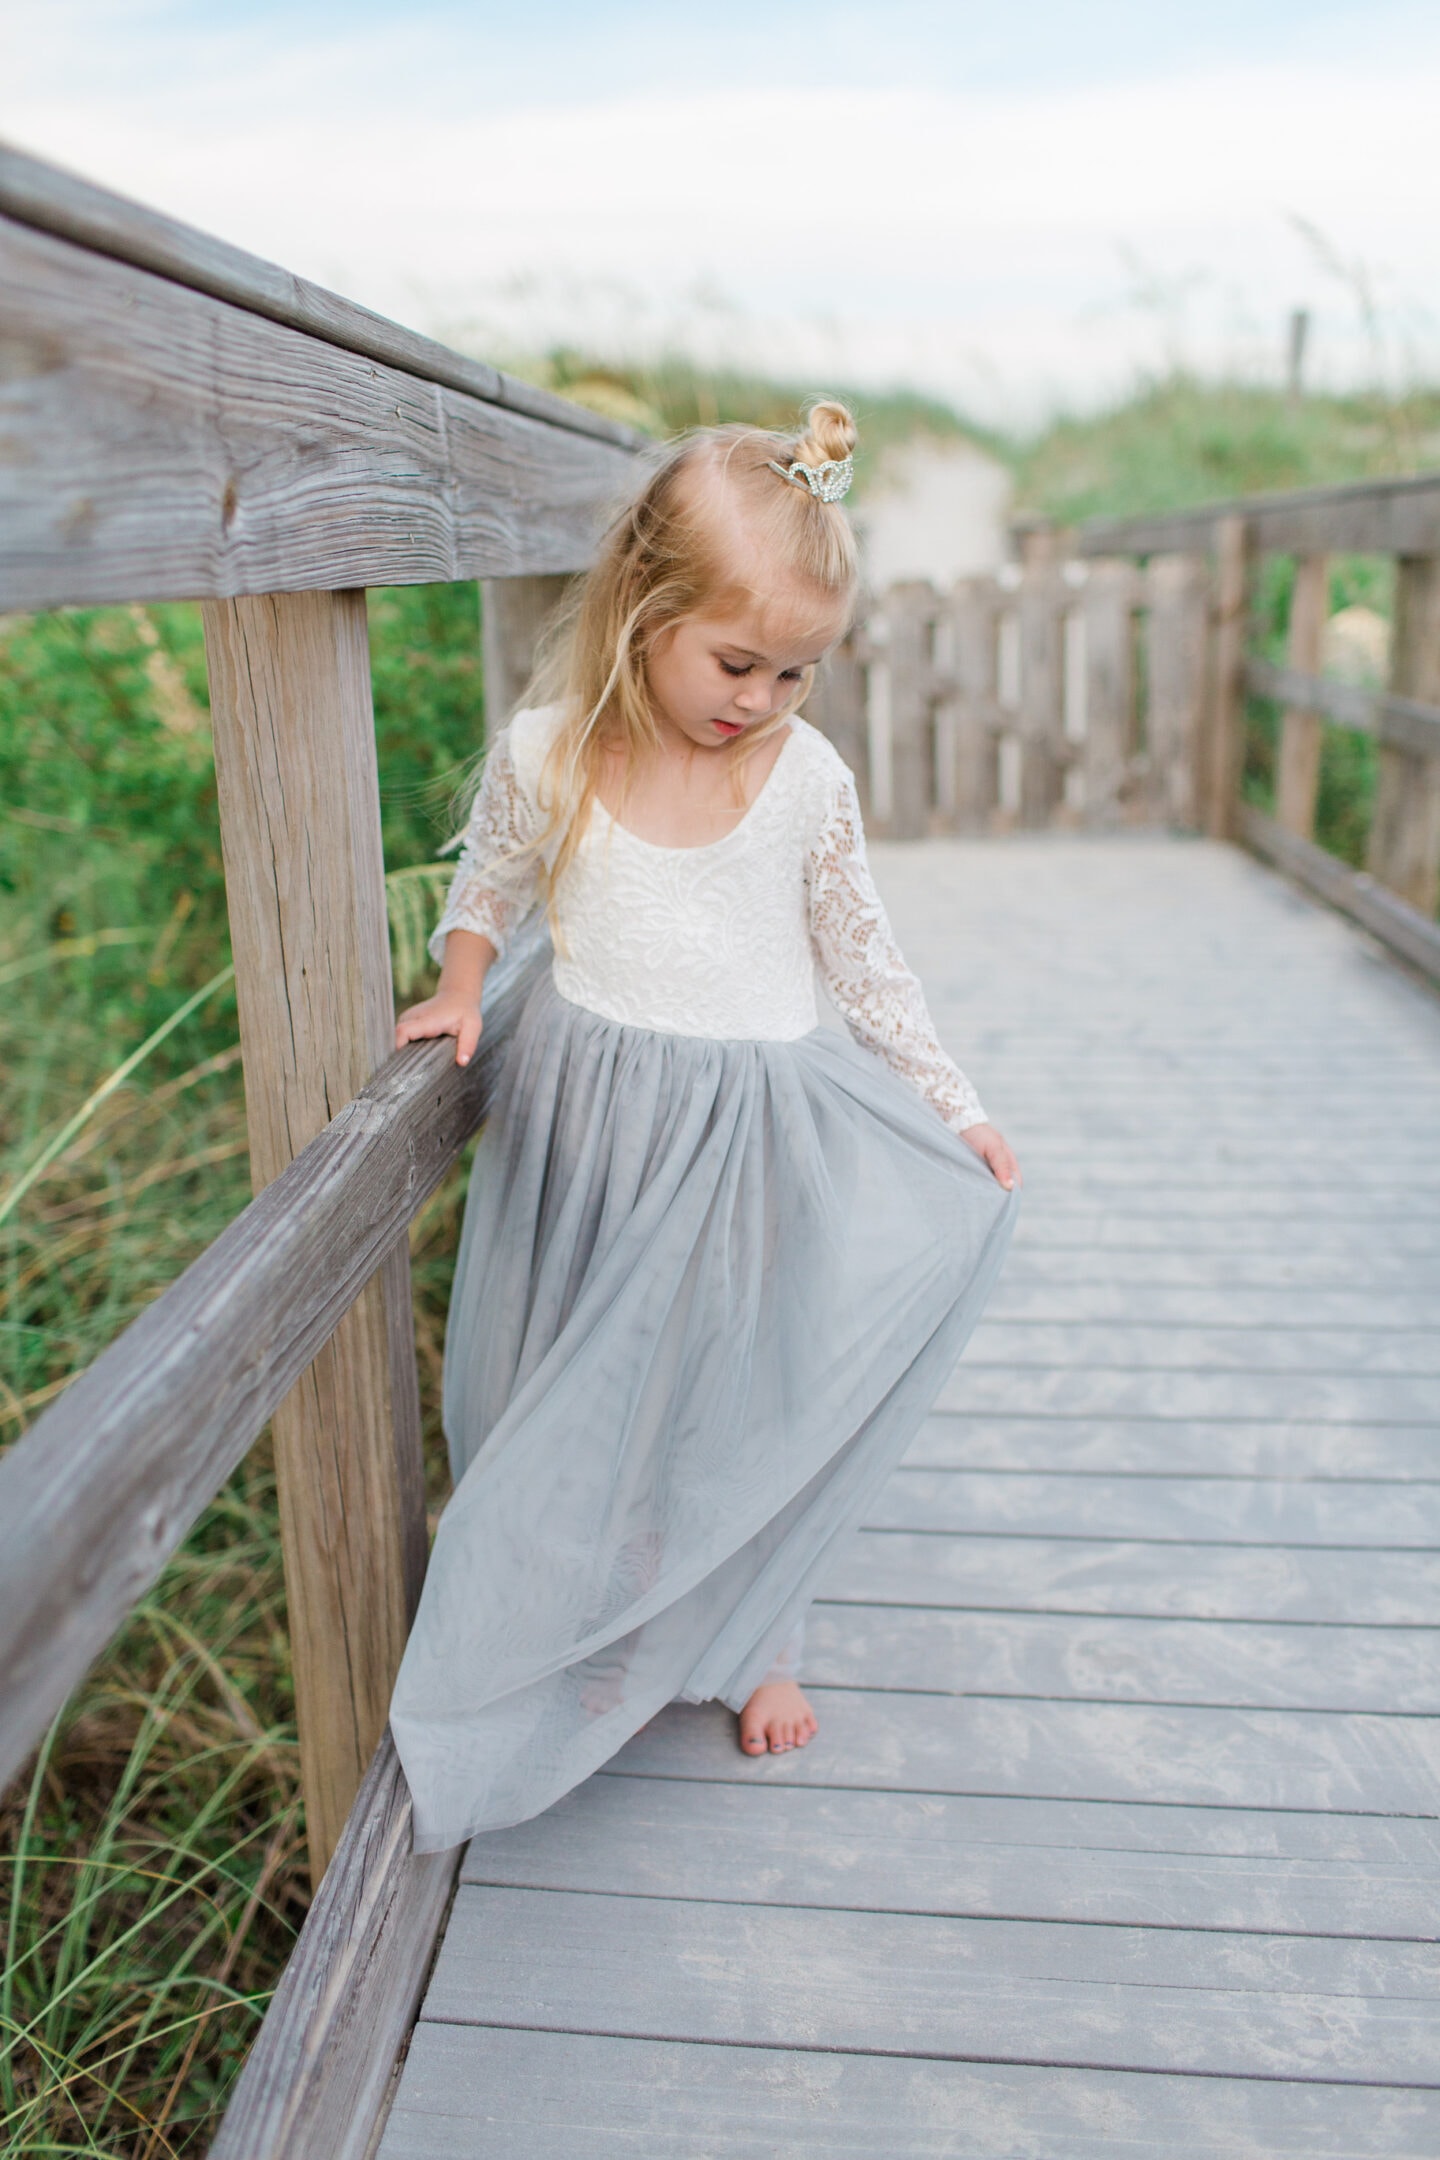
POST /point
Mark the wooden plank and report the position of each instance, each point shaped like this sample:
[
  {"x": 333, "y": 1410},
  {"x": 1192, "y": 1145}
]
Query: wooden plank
[
  {"x": 1406, "y": 723},
  {"x": 836, "y": 705},
  {"x": 513, "y": 616},
  {"x": 910, "y": 613},
  {"x": 1248, "y": 1308},
  {"x": 1108, "y": 1575},
  {"x": 1223, "y": 742},
  {"x": 299, "y": 798},
  {"x": 1338, "y": 1398},
  {"x": 177, "y": 446},
  {"x": 1403, "y": 851},
  {"x": 1208, "y": 1870},
  {"x": 1365, "y": 517},
  {"x": 1172, "y": 1347},
  {"x": 1180, "y": 1447},
  {"x": 1178, "y": 604},
  {"x": 553, "y": 2096},
  {"x": 1123, "y": 1998},
  {"x": 100, "y": 1491},
  {"x": 1108, "y": 602},
  {"x": 1297, "y": 777},
  {"x": 1331, "y": 1512},
  {"x": 1322, "y": 1275},
  {"x": 1041, "y": 724},
  {"x": 1060, "y": 1657},
  {"x": 318, "y": 2076},
  {"x": 1180, "y": 1755},
  {"x": 1403, "y": 928},
  {"x": 974, "y": 706},
  {"x": 52, "y": 200}
]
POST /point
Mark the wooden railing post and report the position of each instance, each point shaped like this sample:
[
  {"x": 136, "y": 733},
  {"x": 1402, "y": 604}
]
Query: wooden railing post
[
  {"x": 910, "y": 610},
  {"x": 1179, "y": 605},
  {"x": 513, "y": 613},
  {"x": 1042, "y": 676},
  {"x": 1297, "y": 775},
  {"x": 1404, "y": 849},
  {"x": 1223, "y": 753},
  {"x": 300, "y": 829},
  {"x": 975, "y": 712},
  {"x": 1108, "y": 607}
]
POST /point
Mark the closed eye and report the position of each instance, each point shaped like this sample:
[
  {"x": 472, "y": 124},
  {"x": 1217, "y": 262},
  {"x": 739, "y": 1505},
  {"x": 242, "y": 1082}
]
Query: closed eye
[{"x": 789, "y": 674}]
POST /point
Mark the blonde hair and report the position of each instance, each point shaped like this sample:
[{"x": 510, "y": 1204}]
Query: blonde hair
[{"x": 664, "y": 557}]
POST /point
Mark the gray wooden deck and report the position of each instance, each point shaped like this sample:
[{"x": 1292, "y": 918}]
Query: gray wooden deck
[{"x": 1119, "y": 1833}]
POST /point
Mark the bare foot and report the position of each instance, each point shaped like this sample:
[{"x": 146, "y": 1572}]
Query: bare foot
[{"x": 776, "y": 1717}]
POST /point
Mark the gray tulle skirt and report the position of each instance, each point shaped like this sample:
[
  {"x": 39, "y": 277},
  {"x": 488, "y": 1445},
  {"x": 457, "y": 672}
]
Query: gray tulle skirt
[{"x": 706, "y": 1291}]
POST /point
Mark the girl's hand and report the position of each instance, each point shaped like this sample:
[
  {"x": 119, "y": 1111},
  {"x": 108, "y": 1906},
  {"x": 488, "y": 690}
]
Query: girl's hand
[
  {"x": 447, "y": 1013},
  {"x": 993, "y": 1148}
]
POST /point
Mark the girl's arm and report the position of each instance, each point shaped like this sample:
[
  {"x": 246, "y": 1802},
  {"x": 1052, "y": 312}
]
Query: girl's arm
[
  {"x": 494, "y": 885},
  {"x": 880, "y": 999}
]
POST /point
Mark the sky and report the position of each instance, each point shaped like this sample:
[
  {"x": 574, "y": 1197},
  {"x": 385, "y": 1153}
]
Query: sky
[{"x": 1021, "y": 209}]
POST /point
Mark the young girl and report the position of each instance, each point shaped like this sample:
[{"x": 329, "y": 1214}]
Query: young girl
[{"x": 717, "y": 1259}]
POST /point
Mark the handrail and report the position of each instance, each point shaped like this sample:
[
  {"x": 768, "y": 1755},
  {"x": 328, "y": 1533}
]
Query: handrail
[
  {"x": 1407, "y": 723},
  {"x": 101, "y": 1490},
  {"x": 51, "y": 200},
  {"x": 1362, "y": 517}
]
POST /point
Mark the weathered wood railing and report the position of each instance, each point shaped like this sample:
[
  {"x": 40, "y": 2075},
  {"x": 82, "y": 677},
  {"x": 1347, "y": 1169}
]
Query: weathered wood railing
[
  {"x": 179, "y": 420},
  {"x": 1103, "y": 679}
]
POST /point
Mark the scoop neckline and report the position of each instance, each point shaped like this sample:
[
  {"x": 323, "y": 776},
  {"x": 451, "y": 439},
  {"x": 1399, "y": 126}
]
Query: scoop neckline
[{"x": 705, "y": 847}]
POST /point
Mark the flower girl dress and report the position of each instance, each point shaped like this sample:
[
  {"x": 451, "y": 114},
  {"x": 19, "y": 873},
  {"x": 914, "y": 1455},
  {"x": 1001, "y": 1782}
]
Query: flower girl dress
[{"x": 717, "y": 1261}]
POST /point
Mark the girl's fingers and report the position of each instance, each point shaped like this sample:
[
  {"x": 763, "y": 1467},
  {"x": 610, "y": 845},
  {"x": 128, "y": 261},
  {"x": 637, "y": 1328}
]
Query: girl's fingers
[{"x": 467, "y": 1035}]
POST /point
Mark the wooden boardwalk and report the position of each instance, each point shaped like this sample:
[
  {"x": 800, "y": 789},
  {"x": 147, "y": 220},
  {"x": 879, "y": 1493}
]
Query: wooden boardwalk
[{"x": 1119, "y": 1833}]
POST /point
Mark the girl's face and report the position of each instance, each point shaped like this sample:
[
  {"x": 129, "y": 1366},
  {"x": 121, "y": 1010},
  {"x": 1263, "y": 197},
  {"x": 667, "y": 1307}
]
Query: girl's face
[{"x": 713, "y": 676}]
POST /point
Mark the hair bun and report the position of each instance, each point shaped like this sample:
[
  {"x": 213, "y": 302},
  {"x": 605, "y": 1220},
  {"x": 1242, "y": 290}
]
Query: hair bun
[{"x": 830, "y": 433}]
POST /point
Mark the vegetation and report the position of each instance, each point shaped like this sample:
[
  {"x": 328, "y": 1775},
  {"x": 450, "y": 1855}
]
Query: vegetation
[{"x": 153, "y": 1857}]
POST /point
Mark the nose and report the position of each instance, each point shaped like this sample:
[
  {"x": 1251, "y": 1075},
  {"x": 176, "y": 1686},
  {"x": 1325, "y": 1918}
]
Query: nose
[{"x": 754, "y": 697}]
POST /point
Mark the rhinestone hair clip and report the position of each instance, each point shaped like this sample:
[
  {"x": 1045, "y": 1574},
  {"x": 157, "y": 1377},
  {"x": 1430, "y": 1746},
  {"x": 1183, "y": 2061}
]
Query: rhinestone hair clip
[{"x": 827, "y": 482}]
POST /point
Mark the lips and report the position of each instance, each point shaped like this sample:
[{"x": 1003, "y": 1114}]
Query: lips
[{"x": 728, "y": 727}]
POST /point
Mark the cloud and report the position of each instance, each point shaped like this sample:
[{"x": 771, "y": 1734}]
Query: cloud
[{"x": 985, "y": 246}]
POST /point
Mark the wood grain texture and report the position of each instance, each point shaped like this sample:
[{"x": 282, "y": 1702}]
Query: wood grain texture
[
  {"x": 1223, "y": 738},
  {"x": 1041, "y": 728},
  {"x": 1402, "y": 723},
  {"x": 1297, "y": 773},
  {"x": 1403, "y": 850},
  {"x": 1178, "y": 1755},
  {"x": 52, "y": 200},
  {"x": 1366, "y": 517},
  {"x": 553, "y": 2096},
  {"x": 979, "y": 1858},
  {"x": 1115, "y": 1997},
  {"x": 1334, "y": 1512},
  {"x": 177, "y": 446},
  {"x": 1177, "y": 593},
  {"x": 1150, "y": 1581},
  {"x": 1108, "y": 602},
  {"x": 299, "y": 798},
  {"x": 100, "y": 1491},
  {"x": 318, "y": 2075},
  {"x": 1229, "y": 1664}
]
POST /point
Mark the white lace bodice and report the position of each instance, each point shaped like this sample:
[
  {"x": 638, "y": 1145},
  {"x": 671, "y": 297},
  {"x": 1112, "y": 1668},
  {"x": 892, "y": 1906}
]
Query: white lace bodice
[{"x": 722, "y": 940}]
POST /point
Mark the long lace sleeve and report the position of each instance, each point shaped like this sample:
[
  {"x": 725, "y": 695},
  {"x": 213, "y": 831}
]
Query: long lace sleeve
[
  {"x": 491, "y": 889},
  {"x": 864, "y": 971}
]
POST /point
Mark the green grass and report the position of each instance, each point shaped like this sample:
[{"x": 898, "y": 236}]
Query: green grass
[{"x": 152, "y": 1858}]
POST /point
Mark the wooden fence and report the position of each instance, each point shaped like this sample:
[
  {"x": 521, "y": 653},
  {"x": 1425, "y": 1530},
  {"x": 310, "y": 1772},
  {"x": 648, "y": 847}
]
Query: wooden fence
[
  {"x": 179, "y": 420},
  {"x": 1103, "y": 681}
]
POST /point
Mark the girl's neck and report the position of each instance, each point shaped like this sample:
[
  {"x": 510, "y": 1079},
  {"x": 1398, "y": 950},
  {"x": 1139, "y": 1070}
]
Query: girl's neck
[{"x": 683, "y": 794}]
